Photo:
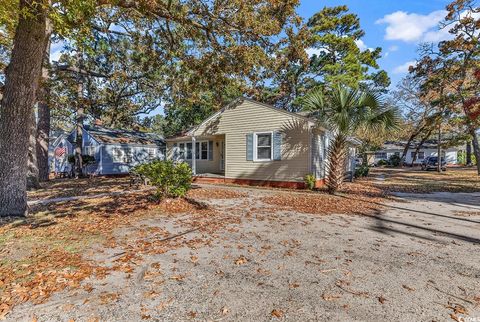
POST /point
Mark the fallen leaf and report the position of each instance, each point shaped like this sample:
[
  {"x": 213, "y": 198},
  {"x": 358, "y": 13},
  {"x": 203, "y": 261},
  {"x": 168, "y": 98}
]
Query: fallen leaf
[
  {"x": 411, "y": 289},
  {"x": 331, "y": 297},
  {"x": 277, "y": 313},
  {"x": 381, "y": 299},
  {"x": 224, "y": 310},
  {"x": 241, "y": 260}
]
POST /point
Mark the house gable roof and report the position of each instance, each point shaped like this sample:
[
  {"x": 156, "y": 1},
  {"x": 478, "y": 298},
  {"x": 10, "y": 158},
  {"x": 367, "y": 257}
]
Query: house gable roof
[
  {"x": 234, "y": 104},
  {"x": 116, "y": 136}
]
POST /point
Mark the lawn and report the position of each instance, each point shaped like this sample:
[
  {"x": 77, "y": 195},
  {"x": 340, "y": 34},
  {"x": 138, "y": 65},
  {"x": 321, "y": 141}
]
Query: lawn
[{"x": 417, "y": 181}]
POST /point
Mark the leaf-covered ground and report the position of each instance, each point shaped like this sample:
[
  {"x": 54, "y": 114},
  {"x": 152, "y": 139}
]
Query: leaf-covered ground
[
  {"x": 62, "y": 188},
  {"x": 417, "y": 181},
  {"x": 237, "y": 254}
]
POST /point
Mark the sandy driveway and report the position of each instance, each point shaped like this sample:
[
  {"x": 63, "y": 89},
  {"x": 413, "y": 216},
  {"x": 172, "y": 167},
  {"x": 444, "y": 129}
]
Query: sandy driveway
[{"x": 418, "y": 260}]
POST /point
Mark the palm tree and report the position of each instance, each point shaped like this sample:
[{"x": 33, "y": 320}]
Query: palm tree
[{"x": 345, "y": 111}]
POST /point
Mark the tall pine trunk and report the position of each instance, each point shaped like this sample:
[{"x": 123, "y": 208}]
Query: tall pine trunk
[
  {"x": 32, "y": 174},
  {"x": 337, "y": 152},
  {"x": 43, "y": 126},
  {"x": 476, "y": 146},
  {"x": 19, "y": 96}
]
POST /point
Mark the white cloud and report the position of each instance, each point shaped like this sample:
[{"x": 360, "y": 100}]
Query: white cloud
[
  {"x": 413, "y": 27},
  {"x": 403, "y": 69},
  {"x": 361, "y": 45},
  {"x": 314, "y": 51},
  {"x": 56, "y": 51},
  {"x": 393, "y": 48}
]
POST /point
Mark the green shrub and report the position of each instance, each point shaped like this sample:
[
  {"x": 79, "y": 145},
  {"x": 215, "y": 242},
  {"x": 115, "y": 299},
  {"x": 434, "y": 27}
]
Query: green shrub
[
  {"x": 362, "y": 171},
  {"x": 171, "y": 179},
  {"x": 394, "y": 160},
  {"x": 310, "y": 181},
  {"x": 86, "y": 159},
  {"x": 462, "y": 158},
  {"x": 382, "y": 163}
]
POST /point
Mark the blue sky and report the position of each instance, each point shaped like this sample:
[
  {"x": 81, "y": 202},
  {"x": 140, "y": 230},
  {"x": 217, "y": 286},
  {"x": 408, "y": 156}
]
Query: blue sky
[{"x": 396, "y": 26}]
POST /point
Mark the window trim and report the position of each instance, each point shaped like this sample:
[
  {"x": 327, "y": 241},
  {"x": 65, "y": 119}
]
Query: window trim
[
  {"x": 255, "y": 146},
  {"x": 377, "y": 157},
  {"x": 90, "y": 150},
  {"x": 152, "y": 153},
  {"x": 121, "y": 156},
  {"x": 198, "y": 152}
]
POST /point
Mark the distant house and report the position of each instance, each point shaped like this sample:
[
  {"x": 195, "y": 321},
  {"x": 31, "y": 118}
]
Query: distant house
[
  {"x": 429, "y": 148},
  {"x": 248, "y": 142},
  {"x": 115, "y": 151}
]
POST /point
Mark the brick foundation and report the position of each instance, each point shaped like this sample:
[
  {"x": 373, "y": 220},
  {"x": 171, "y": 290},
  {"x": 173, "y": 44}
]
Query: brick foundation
[{"x": 260, "y": 183}]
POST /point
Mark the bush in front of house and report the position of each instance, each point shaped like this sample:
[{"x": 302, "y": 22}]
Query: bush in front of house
[
  {"x": 310, "y": 181},
  {"x": 382, "y": 163},
  {"x": 86, "y": 159},
  {"x": 171, "y": 179},
  {"x": 362, "y": 171},
  {"x": 394, "y": 160}
]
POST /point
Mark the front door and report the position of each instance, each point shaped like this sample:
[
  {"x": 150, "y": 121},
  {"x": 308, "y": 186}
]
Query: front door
[{"x": 222, "y": 156}]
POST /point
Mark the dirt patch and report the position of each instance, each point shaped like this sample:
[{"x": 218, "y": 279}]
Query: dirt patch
[{"x": 216, "y": 193}]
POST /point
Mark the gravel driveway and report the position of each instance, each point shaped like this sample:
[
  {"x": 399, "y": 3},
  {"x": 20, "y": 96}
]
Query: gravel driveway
[{"x": 416, "y": 260}]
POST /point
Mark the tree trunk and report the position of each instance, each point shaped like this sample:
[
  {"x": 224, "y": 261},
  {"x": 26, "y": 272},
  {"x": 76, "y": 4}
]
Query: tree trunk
[
  {"x": 336, "y": 163},
  {"x": 32, "y": 174},
  {"x": 476, "y": 146},
  {"x": 405, "y": 150},
  {"x": 439, "y": 149},
  {"x": 19, "y": 96},
  {"x": 468, "y": 154},
  {"x": 420, "y": 144},
  {"x": 79, "y": 132},
  {"x": 43, "y": 126}
]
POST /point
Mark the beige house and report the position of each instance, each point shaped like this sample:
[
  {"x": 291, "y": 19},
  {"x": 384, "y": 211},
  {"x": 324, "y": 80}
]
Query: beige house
[{"x": 248, "y": 142}]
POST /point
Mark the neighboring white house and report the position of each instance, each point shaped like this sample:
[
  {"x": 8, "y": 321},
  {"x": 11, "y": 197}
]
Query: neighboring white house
[{"x": 428, "y": 149}]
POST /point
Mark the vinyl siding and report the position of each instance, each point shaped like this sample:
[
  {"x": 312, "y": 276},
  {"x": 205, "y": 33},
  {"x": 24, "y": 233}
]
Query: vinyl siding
[
  {"x": 139, "y": 155},
  {"x": 249, "y": 117},
  {"x": 89, "y": 141}
]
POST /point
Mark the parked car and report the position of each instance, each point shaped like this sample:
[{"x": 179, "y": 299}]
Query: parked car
[
  {"x": 432, "y": 163},
  {"x": 358, "y": 162}
]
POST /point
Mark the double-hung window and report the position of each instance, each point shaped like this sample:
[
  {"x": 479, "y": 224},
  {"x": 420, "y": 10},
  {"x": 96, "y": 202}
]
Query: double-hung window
[
  {"x": 181, "y": 151},
  {"x": 89, "y": 150},
  {"x": 201, "y": 150},
  {"x": 117, "y": 155},
  {"x": 189, "y": 150},
  {"x": 204, "y": 150},
  {"x": 151, "y": 153},
  {"x": 381, "y": 155},
  {"x": 263, "y": 146},
  {"x": 128, "y": 155}
]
